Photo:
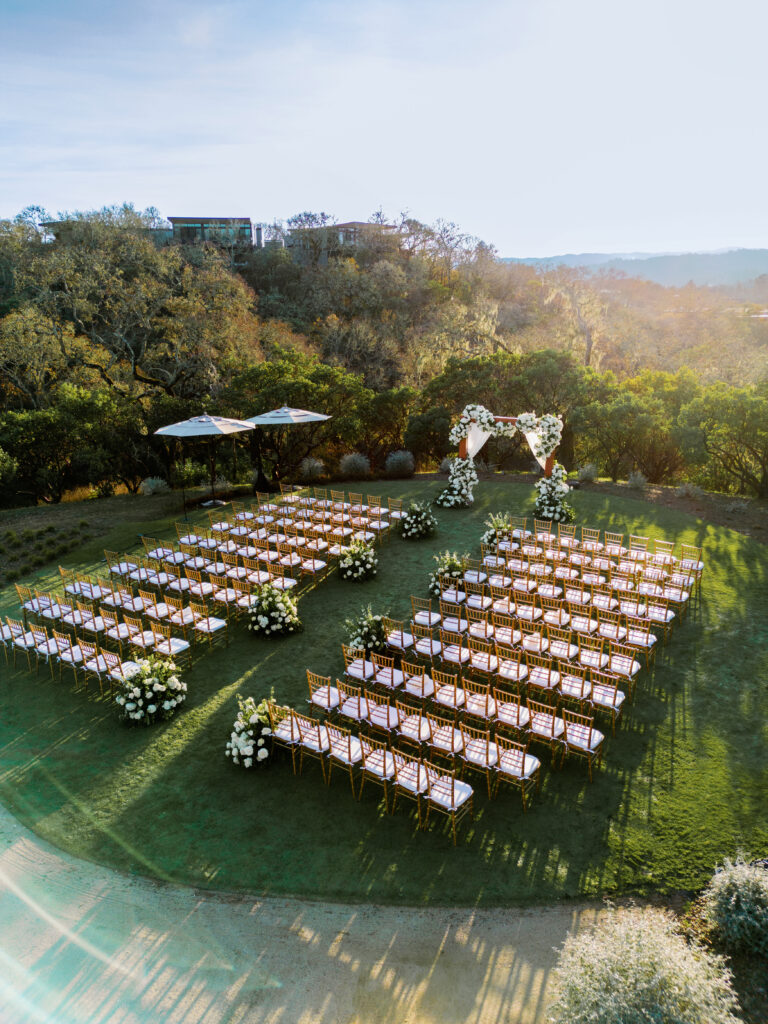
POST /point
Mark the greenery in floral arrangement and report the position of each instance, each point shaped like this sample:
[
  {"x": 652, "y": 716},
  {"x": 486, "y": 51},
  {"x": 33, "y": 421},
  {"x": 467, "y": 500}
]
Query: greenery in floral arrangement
[
  {"x": 636, "y": 966},
  {"x": 275, "y": 612},
  {"x": 418, "y": 521},
  {"x": 151, "y": 690},
  {"x": 367, "y": 631},
  {"x": 449, "y": 563},
  {"x": 249, "y": 742},
  {"x": 358, "y": 562},
  {"x": 736, "y": 906},
  {"x": 497, "y": 527},
  {"x": 552, "y": 491}
]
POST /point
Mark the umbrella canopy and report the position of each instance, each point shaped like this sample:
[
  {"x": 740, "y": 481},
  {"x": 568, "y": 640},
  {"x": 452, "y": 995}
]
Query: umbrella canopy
[
  {"x": 205, "y": 426},
  {"x": 285, "y": 414}
]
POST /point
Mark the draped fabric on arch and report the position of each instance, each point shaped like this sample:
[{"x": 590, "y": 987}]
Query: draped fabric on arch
[{"x": 476, "y": 438}]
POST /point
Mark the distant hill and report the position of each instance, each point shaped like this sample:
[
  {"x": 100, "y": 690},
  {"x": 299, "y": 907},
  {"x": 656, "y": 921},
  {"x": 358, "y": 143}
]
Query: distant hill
[{"x": 732, "y": 266}]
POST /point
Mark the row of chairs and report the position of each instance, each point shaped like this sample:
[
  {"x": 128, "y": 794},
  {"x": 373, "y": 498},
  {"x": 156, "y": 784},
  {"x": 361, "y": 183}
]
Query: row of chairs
[
  {"x": 432, "y": 787},
  {"x": 473, "y": 737},
  {"x": 463, "y": 693}
]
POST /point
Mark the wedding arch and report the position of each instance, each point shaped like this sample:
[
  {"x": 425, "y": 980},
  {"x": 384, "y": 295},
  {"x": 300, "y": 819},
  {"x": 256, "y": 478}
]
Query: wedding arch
[{"x": 476, "y": 424}]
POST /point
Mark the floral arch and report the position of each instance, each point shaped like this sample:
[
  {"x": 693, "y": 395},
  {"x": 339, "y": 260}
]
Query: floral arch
[{"x": 476, "y": 424}]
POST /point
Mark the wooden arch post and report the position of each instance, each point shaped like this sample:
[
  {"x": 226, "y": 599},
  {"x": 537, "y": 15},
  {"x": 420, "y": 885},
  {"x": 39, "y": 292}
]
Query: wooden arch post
[{"x": 548, "y": 465}]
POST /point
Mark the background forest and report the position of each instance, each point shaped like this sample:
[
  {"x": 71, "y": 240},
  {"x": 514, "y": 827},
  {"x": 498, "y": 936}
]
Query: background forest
[{"x": 105, "y": 336}]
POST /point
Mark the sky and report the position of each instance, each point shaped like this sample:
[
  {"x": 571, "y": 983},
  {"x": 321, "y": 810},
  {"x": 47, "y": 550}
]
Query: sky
[{"x": 541, "y": 126}]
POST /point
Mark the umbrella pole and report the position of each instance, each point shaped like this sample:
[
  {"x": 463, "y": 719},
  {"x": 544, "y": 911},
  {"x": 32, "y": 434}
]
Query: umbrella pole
[{"x": 213, "y": 472}]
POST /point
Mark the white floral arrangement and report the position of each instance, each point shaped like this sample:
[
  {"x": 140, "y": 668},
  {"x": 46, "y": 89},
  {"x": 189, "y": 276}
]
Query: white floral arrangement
[
  {"x": 249, "y": 742},
  {"x": 358, "y": 562},
  {"x": 367, "y": 631},
  {"x": 275, "y": 612},
  {"x": 462, "y": 478},
  {"x": 418, "y": 521},
  {"x": 484, "y": 419},
  {"x": 497, "y": 525},
  {"x": 449, "y": 563},
  {"x": 151, "y": 691},
  {"x": 552, "y": 492}
]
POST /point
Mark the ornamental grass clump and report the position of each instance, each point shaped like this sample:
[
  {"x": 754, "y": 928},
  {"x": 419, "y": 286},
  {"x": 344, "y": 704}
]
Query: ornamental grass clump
[
  {"x": 449, "y": 563},
  {"x": 355, "y": 465},
  {"x": 249, "y": 743},
  {"x": 367, "y": 631},
  {"x": 274, "y": 612},
  {"x": 358, "y": 562},
  {"x": 151, "y": 691},
  {"x": 400, "y": 465},
  {"x": 736, "y": 906},
  {"x": 418, "y": 521},
  {"x": 636, "y": 968}
]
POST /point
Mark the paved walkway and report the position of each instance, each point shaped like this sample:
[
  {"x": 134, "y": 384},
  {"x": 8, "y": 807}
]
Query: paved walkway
[{"x": 80, "y": 944}]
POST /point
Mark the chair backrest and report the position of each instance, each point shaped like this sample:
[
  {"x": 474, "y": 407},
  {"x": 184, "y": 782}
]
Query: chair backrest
[
  {"x": 193, "y": 575},
  {"x": 113, "y": 662},
  {"x": 441, "y": 679},
  {"x": 519, "y": 524},
  {"x": 614, "y": 540},
  {"x": 609, "y": 682},
  {"x": 590, "y": 535},
  {"x": 504, "y": 628},
  {"x": 544, "y": 713},
  {"x": 541, "y": 662},
  {"x": 501, "y": 594},
  {"x": 395, "y": 504},
  {"x": 134, "y": 625},
  {"x": 476, "y": 734},
  {"x": 278, "y": 713},
  {"x": 575, "y": 673},
  {"x": 451, "y": 639},
  {"x": 441, "y": 781},
  {"x": 482, "y": 650},
  {"x": 422, "y": 632},
  {"x": 352, "y": 654},
  {"x": 502, "y": 697},
  {"x": 543, "y": 528},
  {"x": 87, "y": 649},
  {"x": 85, "y": 608},
  {"x": 588, "y": 642},
  {"x": 640, "y": 544},
  {"x": 347, "y": 690},
  {"x": 382, "y": 661},
  {"x": 527, "y": 601},
  {"x": 160, "y": 630},
  {"x": 481, "y": 620},
  {"x": 559, "y": 635},
  {"x": 63, "y": 641},
  {"x": 149, "y": 599},
  {"x": 578, "y": 727},
  {"x": 514, "y": 754},
  {"x": 394, "y": 629},
  {"x": 40, "y": 633},
  {"x": 566, "y": 531},
  {"x": 481, "y": 691}
]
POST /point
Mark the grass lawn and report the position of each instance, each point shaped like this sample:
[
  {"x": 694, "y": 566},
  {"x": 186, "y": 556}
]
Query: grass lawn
[{"x": 683, "y": 782}]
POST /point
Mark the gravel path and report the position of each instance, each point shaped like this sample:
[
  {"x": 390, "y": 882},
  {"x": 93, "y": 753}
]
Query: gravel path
[{"x": 80, "y": 944}]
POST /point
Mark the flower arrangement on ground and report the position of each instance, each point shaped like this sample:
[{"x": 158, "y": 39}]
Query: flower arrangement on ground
[
  {"x": 462, "y": 477},
  {"x": 552, "y": 491},
  {"x": 449, "y": 563},
  {"x": 151, "y": 691},
  {"x": 418, "y": 521},
  {"x": 275, "y": 612},
  {"x": 367, "y": 631},
  {"x": 358, "y": 562},
  {"x": 249, "y": 742},
  {"x": 497, "y": 525}
]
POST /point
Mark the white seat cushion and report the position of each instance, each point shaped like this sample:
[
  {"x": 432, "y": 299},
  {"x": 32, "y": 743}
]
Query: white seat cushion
[
  {"x": 517, "y": 765},
  {"x": 380, "y": 763},
  {"x": 400, "y": 640},
  {"x": 415, "y": 727},
  {"x": 513, "y": 714},
  {"x": 360, "y": 669},
  {"x": 426, "y": 618},
  {"x": 583, "y": 737},
  {"x": 481, "y": 753},
  {"x": 390, "y": 677},
  {"x": 448, "y": 738},
  {"x": 347, "y": 750},
  {"x": 172, "y": 646},
  {"x": 413, "y": 777},
  {"x": 449, "y": 795},
  {"x": 512, "y": 670},
  {"x": 542, "y": 725}
]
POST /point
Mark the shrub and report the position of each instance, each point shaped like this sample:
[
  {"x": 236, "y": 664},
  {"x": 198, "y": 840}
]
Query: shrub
[
  {"x": 689, "y": 490},
  {"x": 153, "y": 485},
  {"x": 736, "y": 906},
  {"x": 367, "y": 631},
  {"x": 737, "y": 507},
  {"x": 635, "y": 967},
  {"x": 588, "y": 474},
  {"x": 354, "y": 465},
  {"x": 358, "y": 562},
  {"x": 249, "y": 742},
  {"x": 84, "y": 524},
  {"x": 311, "y": 468},
  {"x": 445, "y": 465},
  {"x": 27, "y": 535},
  {"x": 190, "y": 473},
  {"x": 637, "y": 480},
  {"x": 105, "y": 489},
  {"x": 399, "y": 465},
  {"x": 11, "y": 575},
  {"x": 418, "y": 521}
]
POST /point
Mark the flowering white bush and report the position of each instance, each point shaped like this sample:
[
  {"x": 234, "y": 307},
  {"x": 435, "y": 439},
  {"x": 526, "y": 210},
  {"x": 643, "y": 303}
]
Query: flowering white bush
[
  {"x": 275, "y": 612},
  {"x": 448, "y": 564},
  {"x": 153, "y": 485},
  {"x": 367, "y": 631},
  {"x": 462, "y": 477},
  {"x": 418, "y": 521},
  {"x": 636, "y": 967},
  {"x": 151, "y": 691},
  {"x": 497, "y": 525},
  {"x": 249, "y": 742},
  {"x": 552, "y": 491},
  {"x": 358, "y": 562},
  {"x": 736, "y": 905}
]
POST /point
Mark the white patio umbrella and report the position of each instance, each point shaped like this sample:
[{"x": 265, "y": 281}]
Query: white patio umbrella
[
  {"x": 278, "y": 417},
  {"x": 205, "y": 426},
  {"x": 283, "y": 416}
]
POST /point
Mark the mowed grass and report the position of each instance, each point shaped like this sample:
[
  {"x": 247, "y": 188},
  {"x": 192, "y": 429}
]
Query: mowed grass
[{"x": 683, "y": 782}]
